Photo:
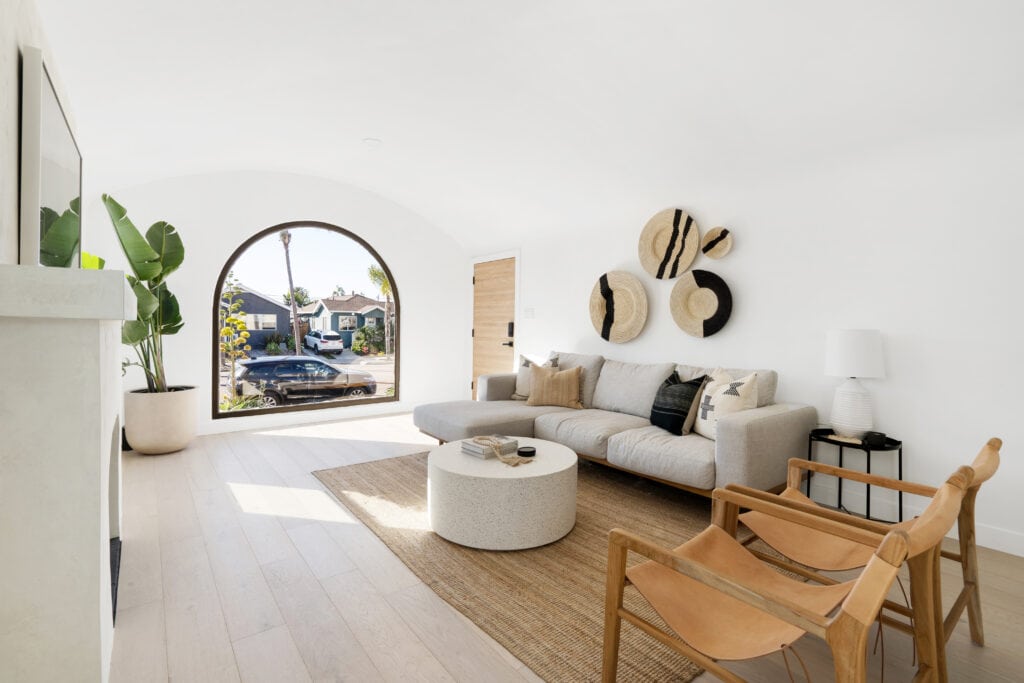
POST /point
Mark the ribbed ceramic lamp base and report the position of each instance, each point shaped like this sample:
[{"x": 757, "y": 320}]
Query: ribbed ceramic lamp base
[{"x": 852, "y": 410}]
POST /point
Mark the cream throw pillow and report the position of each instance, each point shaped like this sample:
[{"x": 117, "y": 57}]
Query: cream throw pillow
[
  {"x": 553, "y": 388},
  {"x": 525, "y": 375},
  {"x": 724, "y": 395}
]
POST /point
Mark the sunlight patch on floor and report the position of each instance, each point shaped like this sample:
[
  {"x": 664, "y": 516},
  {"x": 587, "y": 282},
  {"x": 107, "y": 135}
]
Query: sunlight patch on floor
[
  {"x": 281, "y": 501},
  {"x": 390, "y": 514}
]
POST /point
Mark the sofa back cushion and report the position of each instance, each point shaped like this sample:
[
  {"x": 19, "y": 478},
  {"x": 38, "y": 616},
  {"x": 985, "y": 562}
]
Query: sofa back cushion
[
  {"x": 591, "y": 366},
  {"x": 630, "y": 387},
  {"x": 767, "y": 380}
]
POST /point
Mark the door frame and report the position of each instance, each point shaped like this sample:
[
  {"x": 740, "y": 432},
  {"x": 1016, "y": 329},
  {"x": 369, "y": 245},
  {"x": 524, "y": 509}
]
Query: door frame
[{"x": 496, "y": 256}]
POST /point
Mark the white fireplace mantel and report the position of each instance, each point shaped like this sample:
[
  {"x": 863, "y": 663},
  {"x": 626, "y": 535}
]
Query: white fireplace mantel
[
  {"x": 38, "y": 292},
  {"x": 60, "y": 482}
]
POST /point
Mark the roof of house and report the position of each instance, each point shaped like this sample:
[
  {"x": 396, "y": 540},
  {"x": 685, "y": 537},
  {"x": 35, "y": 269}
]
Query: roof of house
[
  {"x": 350, "y": 303},
  {"x": 246, "y": 291}
]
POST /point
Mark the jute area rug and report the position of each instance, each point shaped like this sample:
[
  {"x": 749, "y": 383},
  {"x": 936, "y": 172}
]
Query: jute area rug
[{"x": 545, "y": 605}]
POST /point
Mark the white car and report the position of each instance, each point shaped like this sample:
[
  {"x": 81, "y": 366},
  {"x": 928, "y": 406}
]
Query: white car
[{"x": 323, "y": 341}]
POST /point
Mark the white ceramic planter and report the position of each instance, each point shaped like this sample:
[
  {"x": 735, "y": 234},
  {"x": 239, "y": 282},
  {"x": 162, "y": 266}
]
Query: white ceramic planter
[{"x": 162, "y": 422}]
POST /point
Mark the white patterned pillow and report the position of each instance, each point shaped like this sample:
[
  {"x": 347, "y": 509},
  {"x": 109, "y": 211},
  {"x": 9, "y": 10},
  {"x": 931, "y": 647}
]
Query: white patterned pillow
[
  {"x": 724, "y": 395},
  {"x": 524, "y": 378}
]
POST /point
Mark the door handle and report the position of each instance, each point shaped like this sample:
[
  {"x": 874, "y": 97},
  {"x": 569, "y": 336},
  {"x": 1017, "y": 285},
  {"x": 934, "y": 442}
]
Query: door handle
[{"x": 508, "y": 343}]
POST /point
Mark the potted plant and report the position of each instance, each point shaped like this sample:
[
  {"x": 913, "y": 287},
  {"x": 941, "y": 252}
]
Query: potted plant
[{"x": 159, "y": 418}]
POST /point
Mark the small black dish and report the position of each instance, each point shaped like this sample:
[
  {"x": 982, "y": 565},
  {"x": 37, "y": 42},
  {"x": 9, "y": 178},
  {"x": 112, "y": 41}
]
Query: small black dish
[{"x": 527, "y": 451}]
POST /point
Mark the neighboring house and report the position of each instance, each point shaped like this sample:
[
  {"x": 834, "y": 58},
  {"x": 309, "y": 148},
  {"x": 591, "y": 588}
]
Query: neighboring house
[
  {"x": 346, "y": 314},
  {"x": 263, "y": 316}
]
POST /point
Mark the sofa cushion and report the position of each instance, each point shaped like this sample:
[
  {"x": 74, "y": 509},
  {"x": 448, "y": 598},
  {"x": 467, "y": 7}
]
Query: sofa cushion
[
  {"x": 675, "y": 404},
  {"x": 551, "y": 387},
  {"x": 454, "y": 420},
  {"x": 767, "y": 380},
  {"x": 724, "y": 395},
  {"x": 585, "y": 431},
  {"x": 630, "y": 387},
  {"x": 688, "y": 460},
  {"x": 591, "y": 369}
]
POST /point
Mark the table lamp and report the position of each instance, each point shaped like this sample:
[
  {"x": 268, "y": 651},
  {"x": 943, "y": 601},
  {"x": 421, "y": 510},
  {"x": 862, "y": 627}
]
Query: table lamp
[{"x": 853, "y": 354}]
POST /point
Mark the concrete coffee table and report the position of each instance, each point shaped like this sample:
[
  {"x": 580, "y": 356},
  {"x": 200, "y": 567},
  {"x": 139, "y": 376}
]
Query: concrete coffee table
[{"x": 489, "y": 505}]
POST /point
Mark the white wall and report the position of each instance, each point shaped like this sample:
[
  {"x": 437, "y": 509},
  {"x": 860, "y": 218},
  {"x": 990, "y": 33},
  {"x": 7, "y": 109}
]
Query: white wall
[
  {"x": 922, "y": 242},
  {"x": 216, "y": 213}
]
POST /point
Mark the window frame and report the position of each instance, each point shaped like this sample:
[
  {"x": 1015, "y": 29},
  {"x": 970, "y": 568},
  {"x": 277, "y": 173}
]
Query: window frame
[
  {"x": 215, "y": 412},
  {"x": 260, "y": 320}
]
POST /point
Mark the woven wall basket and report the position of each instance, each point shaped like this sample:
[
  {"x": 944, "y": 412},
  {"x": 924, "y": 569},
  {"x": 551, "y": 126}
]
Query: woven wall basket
[
  {"x": 618, "y": 306},
  {"x": 669, "y": 243},
  {"x": 701, "y": 303},
  {"x": 717, "y": 243}
]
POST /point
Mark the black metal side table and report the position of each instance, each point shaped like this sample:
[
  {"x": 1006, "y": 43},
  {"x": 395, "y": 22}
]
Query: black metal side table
[{"x": 828, "y": 436}]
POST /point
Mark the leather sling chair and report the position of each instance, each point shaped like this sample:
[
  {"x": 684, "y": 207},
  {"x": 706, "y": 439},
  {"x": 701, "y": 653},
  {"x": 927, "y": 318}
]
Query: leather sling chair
[
  {"x": 725, "y": 604},
  {"x": 813, "y": 550}
]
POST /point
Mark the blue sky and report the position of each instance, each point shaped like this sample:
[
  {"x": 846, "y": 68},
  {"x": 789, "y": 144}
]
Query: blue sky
[{"x": 321, "y": 259}]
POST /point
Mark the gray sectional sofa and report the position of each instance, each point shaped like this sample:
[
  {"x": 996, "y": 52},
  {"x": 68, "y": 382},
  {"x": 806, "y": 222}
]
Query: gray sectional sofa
[{"x": 614, "y": 428}]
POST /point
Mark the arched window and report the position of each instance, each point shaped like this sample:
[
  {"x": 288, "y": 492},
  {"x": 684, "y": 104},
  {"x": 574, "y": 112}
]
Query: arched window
[{"x": 305, "y": 316}]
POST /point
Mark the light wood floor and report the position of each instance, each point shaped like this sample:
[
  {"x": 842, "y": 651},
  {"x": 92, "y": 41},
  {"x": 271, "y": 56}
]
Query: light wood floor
[{"x": 238, "y": 565}]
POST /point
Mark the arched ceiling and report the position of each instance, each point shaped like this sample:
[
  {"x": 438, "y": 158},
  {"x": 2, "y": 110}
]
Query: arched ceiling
[{"x": 521, "y": 116}]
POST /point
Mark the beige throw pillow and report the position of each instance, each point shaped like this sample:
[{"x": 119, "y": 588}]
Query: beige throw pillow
[
  {"x": 553, "y": 388},
  {"x": 724, "y": 395}
]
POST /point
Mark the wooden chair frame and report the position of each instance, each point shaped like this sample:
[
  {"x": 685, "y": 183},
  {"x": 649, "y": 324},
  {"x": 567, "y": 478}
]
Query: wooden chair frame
[
  {"x": 968, "y": 598},
  {"x": 846, "y": 633}
]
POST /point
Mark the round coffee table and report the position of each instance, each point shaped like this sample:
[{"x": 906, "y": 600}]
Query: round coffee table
[{"x": 489, "y": 505}]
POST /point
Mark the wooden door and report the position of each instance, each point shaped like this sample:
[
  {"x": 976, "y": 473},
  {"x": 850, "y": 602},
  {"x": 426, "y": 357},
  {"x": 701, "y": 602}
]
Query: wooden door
[{"x": 494, "y": 304}]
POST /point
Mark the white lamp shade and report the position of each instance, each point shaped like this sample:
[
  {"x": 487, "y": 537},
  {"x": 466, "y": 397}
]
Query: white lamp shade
[{"x": 854, "y": 353}]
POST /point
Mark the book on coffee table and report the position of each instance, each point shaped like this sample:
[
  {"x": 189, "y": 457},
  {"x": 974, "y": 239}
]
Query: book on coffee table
[{"x": 506, "y": 446}]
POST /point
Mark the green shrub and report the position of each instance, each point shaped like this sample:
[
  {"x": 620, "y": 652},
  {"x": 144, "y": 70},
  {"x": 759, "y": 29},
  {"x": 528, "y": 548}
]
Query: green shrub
[
  {"x": 274, "y": 349},
  {"x": 368, "y": 339}
]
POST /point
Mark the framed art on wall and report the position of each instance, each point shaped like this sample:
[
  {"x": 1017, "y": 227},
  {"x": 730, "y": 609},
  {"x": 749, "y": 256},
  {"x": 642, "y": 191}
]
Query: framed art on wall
[{"x": 51, "y": 173}]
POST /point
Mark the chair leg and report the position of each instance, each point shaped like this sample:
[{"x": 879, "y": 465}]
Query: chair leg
[
  {"x": 969, "y": 566},
  {"x": 925, "y": 600},
  {"x": 613, "y": 602},
  {"x": 848, "y": 640}
]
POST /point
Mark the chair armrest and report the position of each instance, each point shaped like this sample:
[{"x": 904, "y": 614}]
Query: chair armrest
[
  {"x": 496, "y": 387},
  {"x": 753, "y": 446},
  {"x": 772, "y": 603},
  {"x": 864, "y": 478}
]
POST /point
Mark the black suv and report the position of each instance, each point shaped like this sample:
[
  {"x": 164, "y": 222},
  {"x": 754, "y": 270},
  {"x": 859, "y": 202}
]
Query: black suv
[{"x": 287, "y": 378}]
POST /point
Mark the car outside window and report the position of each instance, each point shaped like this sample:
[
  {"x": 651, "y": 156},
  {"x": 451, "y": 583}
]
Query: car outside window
[
  {"x": 319, "y": 370},
  {"x": 288, "y": 370},
  {"x": 259, "y": 372}
]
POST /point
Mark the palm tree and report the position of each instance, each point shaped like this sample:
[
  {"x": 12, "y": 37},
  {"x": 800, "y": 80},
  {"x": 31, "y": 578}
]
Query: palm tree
[
  {"x": 379, "y": 278},
  {"x": 286, "y": 238}
]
